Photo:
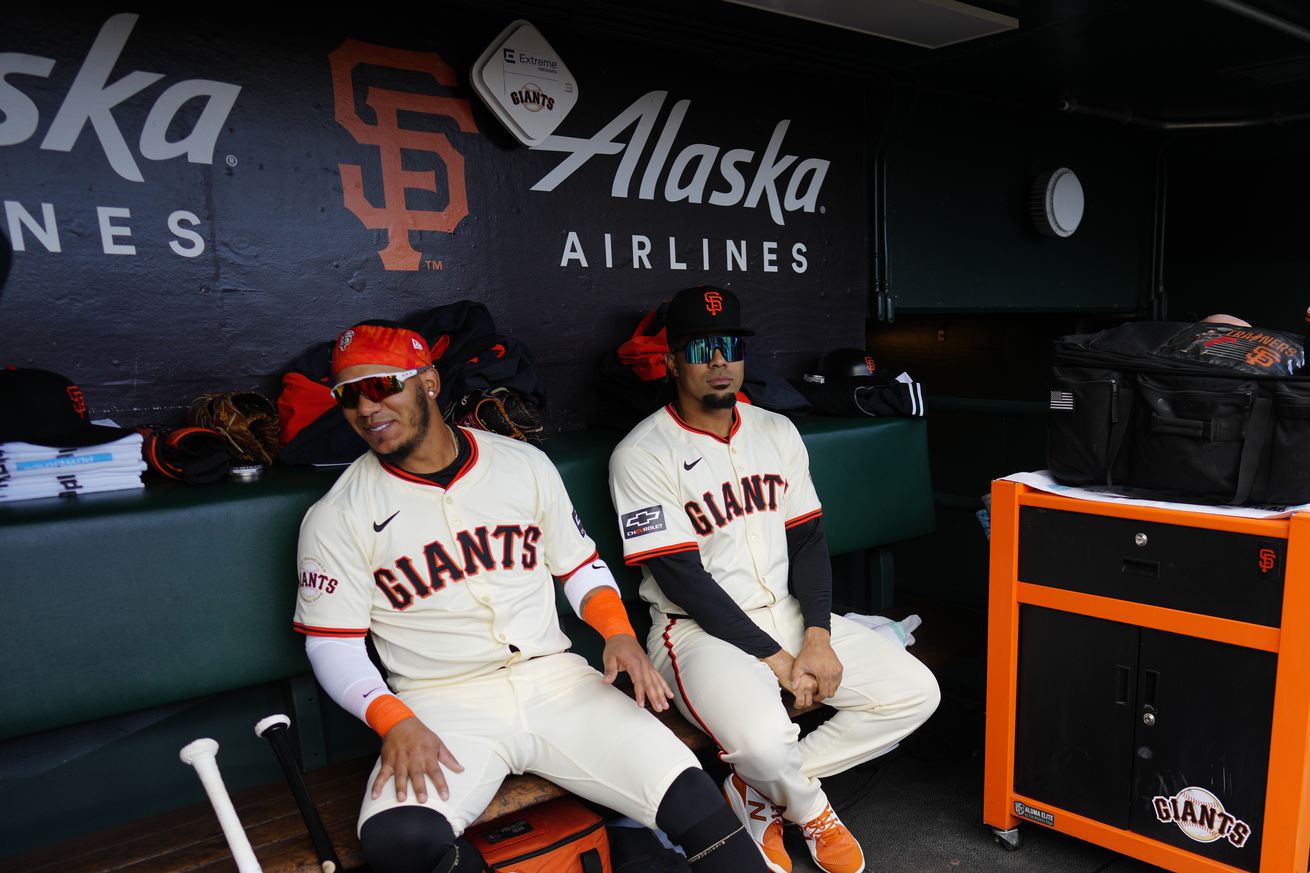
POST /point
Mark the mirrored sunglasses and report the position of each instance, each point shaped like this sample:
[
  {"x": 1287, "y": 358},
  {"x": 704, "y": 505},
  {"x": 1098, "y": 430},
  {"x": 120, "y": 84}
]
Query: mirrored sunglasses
[
  {"x": 376, "y": 388},
  {"x": 701, "y": 350}
]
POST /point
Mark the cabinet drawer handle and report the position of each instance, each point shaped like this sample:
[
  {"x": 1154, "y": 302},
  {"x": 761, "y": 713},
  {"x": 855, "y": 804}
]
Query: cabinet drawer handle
[
  {"x": 1136, "y": 567},
  {"x": 1122, "y": 675}
]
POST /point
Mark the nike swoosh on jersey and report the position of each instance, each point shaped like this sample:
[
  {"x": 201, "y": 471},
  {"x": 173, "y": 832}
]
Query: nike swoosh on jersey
[
  {"x": 687, "y": 466},
  {"x": 377, "y": 528},
  {"x": 598, "y": 566}
]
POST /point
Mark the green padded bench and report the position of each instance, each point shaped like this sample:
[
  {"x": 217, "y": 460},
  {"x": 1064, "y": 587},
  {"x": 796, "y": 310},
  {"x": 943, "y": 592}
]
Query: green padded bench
[{"x": 134, "y": 622}]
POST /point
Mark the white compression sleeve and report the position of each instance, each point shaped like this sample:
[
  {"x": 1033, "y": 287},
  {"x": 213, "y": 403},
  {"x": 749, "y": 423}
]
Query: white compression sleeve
[
  {"x": 590, "y": 576},
  {"x": 344, "y": 670}
]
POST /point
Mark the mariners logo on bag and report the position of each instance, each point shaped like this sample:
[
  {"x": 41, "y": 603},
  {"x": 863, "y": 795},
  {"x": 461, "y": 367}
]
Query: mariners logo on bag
[{"x": 642, "y": 521}]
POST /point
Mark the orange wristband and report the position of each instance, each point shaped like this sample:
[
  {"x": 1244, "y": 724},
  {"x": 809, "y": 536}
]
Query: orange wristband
[
  {"x": 385, "y": 713},
  {"x": 605, "y": 612}
]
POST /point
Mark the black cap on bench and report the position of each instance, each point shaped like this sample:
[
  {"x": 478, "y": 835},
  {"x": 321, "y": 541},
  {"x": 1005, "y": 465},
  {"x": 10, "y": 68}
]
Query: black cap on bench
[{"x": 47, "y": 409}]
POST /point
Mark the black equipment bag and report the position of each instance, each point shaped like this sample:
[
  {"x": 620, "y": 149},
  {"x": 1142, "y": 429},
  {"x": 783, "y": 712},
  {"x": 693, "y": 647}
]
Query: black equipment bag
[{"x": 1198, "y": 413}]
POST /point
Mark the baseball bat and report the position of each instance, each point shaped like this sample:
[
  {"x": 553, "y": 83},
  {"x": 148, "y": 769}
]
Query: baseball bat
[
  {"x": 202, "y": 755},
  {"x": 274, "y": 729}
]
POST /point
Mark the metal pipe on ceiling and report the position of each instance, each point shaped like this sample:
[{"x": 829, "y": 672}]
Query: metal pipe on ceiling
[
  {"x": 1268, "y": 19},
  {"x": 1127, "y": 116}
]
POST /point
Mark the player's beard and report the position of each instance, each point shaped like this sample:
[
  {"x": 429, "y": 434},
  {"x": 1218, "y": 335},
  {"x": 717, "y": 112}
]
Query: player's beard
[
  {"x": 405, "y": 449},
  {"x": 718, "y": 400}
]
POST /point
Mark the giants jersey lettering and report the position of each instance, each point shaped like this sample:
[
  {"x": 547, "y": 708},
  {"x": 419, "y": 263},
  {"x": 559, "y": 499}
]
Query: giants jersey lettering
[
  {"x": 446, "y": 580},
  {"x": 677, "y": 488}
]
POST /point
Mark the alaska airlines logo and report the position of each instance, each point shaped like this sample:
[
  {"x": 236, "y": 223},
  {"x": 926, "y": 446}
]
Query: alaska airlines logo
[
  {"x": 517, "y": 546},
  {"x": 800, "y": 180},
  {"x": 91, "y": 99},
  {"x": 390, "y": 139}
]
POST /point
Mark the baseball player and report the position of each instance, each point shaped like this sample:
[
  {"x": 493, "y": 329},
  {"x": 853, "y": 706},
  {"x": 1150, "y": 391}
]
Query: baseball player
[
  {"x": 441, "y": 544},
  {"x": 716, "y": 505}
]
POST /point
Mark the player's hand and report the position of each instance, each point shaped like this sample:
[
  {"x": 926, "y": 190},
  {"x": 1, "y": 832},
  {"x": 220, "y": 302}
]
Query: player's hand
[
  {"x": 410, "y": 750},
  {"x": 802, "y": 688},
  {"x": 817, "y": 659},
  {"x": 624, "y": 654}
]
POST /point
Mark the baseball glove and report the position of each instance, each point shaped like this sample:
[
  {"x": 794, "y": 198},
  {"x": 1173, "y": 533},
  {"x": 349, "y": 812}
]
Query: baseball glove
[
  {"x": 247, "y": 421},
  {"x": 499, "y": 410},
  {"x": 195, "y": 455}
]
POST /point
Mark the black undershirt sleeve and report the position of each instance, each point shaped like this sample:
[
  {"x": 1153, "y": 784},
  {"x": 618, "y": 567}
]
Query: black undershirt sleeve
[
  {"x": 684, "y": 580},
  {"x": 809, "y": 574}
]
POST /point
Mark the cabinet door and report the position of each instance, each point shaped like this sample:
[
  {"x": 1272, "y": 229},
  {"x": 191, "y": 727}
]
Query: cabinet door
[
  {"x": 1075, "y": 712},
  {"x": 1200, "y": 768}
]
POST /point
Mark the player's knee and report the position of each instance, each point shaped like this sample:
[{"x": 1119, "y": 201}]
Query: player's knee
[
  {"x": 690, "y": 797},
  {"x": 924, "y": 695},
  {"x": 412, "y": 839},
  {"x": 693, "y": 812}
]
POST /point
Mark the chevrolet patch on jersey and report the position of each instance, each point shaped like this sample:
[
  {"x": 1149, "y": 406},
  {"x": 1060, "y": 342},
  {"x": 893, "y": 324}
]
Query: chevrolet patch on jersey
[{"x": 642, "y": 521}]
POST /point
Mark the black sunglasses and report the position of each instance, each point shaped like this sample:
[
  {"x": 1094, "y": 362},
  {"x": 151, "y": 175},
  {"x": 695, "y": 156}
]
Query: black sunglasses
[{"x": 701, "y": 350}]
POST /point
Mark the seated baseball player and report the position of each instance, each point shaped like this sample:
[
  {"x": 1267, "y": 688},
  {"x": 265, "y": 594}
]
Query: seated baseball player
[
  {"x": 441, "y": 544},
  {"x": 716, "y": 505}
]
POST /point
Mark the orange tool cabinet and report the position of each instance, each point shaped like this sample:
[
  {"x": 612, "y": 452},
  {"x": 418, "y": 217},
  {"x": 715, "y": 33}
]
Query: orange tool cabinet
[{"x": 1148, "y": 681}]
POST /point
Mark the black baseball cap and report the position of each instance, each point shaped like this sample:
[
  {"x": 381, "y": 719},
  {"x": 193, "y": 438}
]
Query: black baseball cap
[
  {"x": 704, "y": 311},
  {"x": 47, "y": 409},
  {"x": 852, "y": 364}
]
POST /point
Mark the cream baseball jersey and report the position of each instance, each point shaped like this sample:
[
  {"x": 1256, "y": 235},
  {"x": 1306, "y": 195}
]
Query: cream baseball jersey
[
  {"x": 452, "y": 582},
  {"x": 677, "y": 488}
]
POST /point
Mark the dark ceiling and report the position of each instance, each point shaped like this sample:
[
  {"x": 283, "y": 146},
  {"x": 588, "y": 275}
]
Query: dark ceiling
[{"x": 1164, "y": 60}]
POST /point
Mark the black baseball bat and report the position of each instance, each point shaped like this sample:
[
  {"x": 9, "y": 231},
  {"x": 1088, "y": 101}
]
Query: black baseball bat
[{"x": 274, "y": 729}]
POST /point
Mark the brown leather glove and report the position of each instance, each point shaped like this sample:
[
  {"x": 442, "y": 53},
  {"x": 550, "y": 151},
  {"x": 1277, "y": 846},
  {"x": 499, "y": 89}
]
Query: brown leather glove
[
  {"x": 499, "y": 411},
  {"x": 246, "y": 420}
]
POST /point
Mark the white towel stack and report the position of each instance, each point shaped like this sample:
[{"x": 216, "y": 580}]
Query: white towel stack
[{"x": 29, "y": 471}]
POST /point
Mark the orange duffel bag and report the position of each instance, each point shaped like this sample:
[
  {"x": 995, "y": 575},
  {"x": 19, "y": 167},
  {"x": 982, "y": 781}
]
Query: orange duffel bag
[{"x": 559, "y": 836}]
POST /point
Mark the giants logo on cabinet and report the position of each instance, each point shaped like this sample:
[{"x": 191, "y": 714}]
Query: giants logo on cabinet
[{"x": 1201, "y": 816}]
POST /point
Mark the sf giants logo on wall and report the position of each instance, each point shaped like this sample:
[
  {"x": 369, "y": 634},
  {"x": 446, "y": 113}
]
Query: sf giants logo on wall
[{"x": 386, "y": 135}]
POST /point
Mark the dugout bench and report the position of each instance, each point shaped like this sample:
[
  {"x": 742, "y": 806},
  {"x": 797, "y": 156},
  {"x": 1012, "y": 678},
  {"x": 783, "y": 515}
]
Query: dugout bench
[{"x": 136, "y": 622}]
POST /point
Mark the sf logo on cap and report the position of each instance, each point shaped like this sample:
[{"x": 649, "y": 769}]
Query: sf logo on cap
[
  {"x": 345, "y": 340},
  {"x": 713, "y": 302},
  {"x": 76, "y": 398}
]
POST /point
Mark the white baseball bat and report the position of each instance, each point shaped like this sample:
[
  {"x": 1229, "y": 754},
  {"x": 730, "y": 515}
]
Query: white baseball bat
[{"x": 202, "y": 754}]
